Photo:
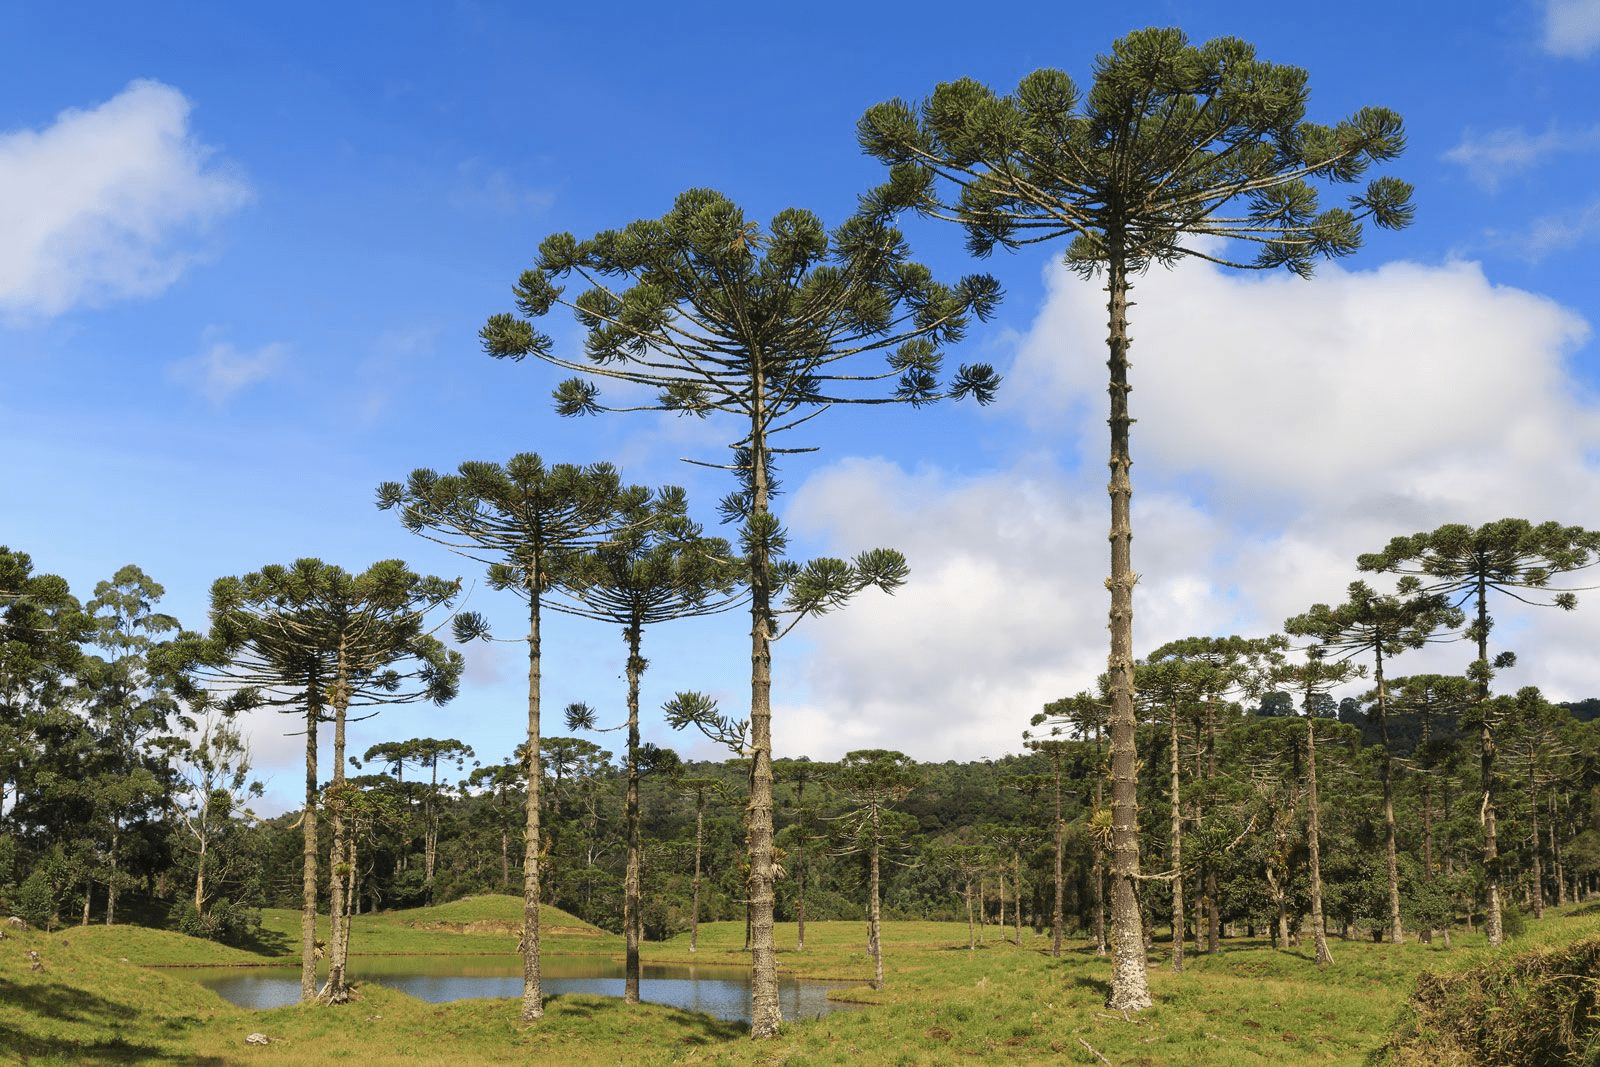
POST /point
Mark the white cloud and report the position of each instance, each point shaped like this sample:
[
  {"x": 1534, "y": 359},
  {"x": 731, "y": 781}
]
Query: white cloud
[
  {"x": 97, "y": 206},
  {"x": 1284, "y": 427},
  {"x": 1572, "y": 27},
  {"x": 1492, "y": 157},
  {"x": 222, "y": 370}
]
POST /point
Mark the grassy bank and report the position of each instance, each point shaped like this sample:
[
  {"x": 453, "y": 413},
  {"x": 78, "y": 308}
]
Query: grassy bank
[{"x": 97, "y": 1000}]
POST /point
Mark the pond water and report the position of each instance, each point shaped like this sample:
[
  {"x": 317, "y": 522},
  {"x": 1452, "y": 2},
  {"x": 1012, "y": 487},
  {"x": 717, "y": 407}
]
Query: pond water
[{"x": 720, "y": 991}]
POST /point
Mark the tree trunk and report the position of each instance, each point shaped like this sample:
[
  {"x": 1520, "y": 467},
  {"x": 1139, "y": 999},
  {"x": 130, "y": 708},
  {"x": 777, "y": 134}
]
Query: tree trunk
[
  {"x": 1538, "y": 861},
  {"x": 1058, "y": 909},
  {"x": 532, "y": 996},
  {"x": 1319, "y": 926},
  {"x": 631, "y": 923},
  {"x": 1130, "y": 989},
  {"x": 1016, "y": 887},
  {"x": 1176, "y": 859},
  {"x": 1486, "y": 754},
  {"x": 1386, "y": 767},
  {"x": 699, "y": 844},
  {"x": 111, "y": 883},
  {"x": 874, "y": 919},
  {"x": 972, "y": 936},
  {"x": 766, "y": 1015},
  {"x": 308, "y": 874},
  {"x": 333, "y": 990}
]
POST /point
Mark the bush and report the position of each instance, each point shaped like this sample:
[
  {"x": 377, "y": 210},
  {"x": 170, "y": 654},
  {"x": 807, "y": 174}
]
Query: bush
[
  {"x": 1534, "y": 1007},
  {"x": 227, "y": 922}
]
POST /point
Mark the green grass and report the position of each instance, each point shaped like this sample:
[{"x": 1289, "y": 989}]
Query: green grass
[{"x": 942, "y": 1004}]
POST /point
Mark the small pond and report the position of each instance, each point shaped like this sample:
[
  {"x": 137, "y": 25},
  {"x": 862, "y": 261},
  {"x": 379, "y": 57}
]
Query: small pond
[{"x": 719, "y": 991}]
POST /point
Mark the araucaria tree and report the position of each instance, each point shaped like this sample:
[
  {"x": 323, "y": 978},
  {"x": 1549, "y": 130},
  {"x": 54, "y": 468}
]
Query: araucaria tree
[
  {"x": 313, "y": 639},
  {"x": 870, "y": 780},
  {"x": 1383, "y": 625},
  {"x": 713, "y": 313},
  {"x": 523, "y": 521},
  {"x": 1176, "y": 151},
  {"x": 1463, "y": 564},
  {"x": 658, "y": 569}
]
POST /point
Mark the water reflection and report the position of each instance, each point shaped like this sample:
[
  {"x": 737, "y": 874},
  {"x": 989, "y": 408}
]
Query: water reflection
[{"x": 722, "y": 992}]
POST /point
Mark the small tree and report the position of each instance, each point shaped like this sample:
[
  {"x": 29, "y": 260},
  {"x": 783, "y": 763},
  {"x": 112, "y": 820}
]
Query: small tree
[
  {"x": 1176, "y": 151},
  {"x": 772, "y": 327},
  {"x": 424, "y": 753},
  {"x": 1314, "y": 678},
  {"x": 1463, "y": 564},
  {"x": 870, "y": 780}
]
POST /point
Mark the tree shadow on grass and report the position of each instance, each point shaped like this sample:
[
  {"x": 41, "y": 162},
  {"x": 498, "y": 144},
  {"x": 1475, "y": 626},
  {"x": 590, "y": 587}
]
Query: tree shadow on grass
[
  {"x": 1101, "y": 987},
  {"x": 264, "y": 942},
  {"x": 59, "y": 1003},
  {"x": 703, "y": 1029}
]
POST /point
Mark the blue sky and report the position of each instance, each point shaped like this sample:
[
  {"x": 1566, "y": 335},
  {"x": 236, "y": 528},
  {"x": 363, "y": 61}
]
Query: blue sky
[{"x": 245, "y": 251}]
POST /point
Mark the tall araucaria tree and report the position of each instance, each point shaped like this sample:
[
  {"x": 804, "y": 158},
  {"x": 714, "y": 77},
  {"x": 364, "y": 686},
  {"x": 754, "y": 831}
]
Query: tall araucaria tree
[
  {"x": 315, "y": 640},
  {"x": 1513, "y": 557},
  {"x": 662, "y": 568},
  {"x": 772, "y": 326},
  {"x": 1383, "y": 625},
  {"x": 1176, "y": 151},
  {"x": 524, "y": 521}
]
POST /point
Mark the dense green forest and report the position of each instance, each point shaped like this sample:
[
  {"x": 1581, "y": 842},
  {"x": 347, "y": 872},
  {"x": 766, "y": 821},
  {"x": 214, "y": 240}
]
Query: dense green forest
[{"x": 127, "y": 798}]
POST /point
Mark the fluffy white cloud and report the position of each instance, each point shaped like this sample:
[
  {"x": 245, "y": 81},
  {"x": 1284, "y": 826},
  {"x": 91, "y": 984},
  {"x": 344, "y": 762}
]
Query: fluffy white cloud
[
  {"x": 97, "y": 206},
  {"x": 1572, "y": 27},
  {"x": 222, "y": 370},
  {"x": 1284, "y": 427}
]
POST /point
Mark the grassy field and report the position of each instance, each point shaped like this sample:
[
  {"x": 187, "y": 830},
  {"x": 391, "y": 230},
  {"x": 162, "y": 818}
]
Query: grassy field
[{"x": 119, "y": 995}]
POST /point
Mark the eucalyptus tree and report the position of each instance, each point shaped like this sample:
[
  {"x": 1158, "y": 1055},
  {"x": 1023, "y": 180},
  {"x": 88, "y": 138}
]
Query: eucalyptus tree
[
  {"x": 522, "y": 520},
  {"x": 424, "y": 753},
  {"x": 1176, "y": 151},
  {"x": 659, "y": 569},
  {"x": 1383, "y": 625},
  {"x": 773, "y": 326},
  {"x": 1315, "y": 677},
  {"x": 315, "y": 640},
  {"x": 871, "y": 780},
  {"x": 1512, "y": 557},
  {"x": 213, "y": 765}
]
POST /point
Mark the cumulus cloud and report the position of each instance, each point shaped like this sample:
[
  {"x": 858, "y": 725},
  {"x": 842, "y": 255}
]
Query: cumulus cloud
[
  {"x": 1572, "y": 27},
  {"x": 103, "y": 203},
  {"x": 1490, "y": 158},
  {"x": 1284, "y": 427},
  {"x": 221, "y": 371}
]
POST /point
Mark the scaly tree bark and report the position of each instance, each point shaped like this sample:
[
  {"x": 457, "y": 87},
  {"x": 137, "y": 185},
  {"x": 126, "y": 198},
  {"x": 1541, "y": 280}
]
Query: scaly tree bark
[
  {"x": 1144, "y": 168},
  {"x": 1510, "y": 556},
  {"x": 717, "y": 315}
]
